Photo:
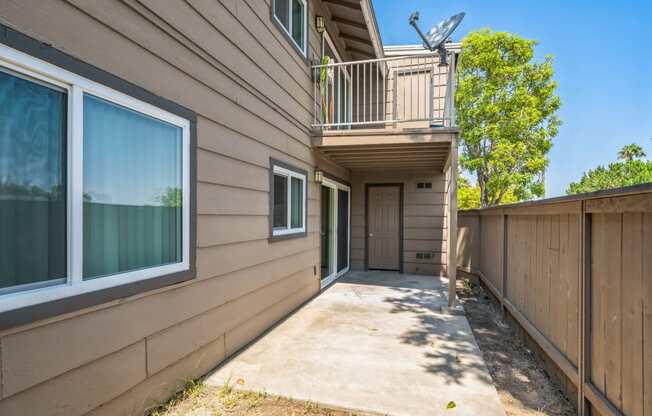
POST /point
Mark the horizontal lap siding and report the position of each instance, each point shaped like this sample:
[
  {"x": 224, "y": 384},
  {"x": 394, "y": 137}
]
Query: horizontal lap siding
[
  {"x": 226, "y": 61},
  {"x": 424, "y": 214}
]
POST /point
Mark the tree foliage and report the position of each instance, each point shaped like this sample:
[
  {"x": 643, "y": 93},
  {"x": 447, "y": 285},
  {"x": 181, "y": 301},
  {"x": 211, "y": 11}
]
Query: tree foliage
[
  {"x": 468, "y": 195},
  {"x": 630, "y": 171},
  {"x": 173, "y": 197},
  {"x": 506, "y": 109},
  {"x": 630, "y": 152}
]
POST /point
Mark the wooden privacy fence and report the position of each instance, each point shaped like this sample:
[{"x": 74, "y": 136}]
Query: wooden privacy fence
[{"x": 576, "y": 274}]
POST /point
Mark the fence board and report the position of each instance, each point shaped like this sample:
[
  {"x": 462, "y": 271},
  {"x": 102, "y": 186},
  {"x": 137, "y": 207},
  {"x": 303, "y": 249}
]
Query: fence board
[
  {"x": 513, "y": 264},
  {"x": 520, "y": 273},
  {"x": 632, "y": 319},
  {"x": 612, "y": 312},
  {"x": 563, "y": 293},
  {"x": 573, "y": 272},
  {"x": 598, "y": 269},
  {"x": 618, "y": 204},
  {"x": 540, "y": 297},
  {"x": 491, "y": 258},
  {"x": 647, "y": 314}
]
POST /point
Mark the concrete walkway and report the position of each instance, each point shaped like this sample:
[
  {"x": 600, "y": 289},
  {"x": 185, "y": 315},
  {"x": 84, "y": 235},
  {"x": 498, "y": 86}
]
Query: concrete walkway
[{"x": 375, "y": 342}]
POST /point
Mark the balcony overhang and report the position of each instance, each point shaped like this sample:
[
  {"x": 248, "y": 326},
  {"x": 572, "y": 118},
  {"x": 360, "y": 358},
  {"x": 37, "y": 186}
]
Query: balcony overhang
[
  {"x": 426, "y": 148},
  {"x": 357, "y": 27}
]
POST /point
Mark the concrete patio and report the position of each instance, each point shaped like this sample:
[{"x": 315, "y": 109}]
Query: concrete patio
[{"x": 373, "y": 342}]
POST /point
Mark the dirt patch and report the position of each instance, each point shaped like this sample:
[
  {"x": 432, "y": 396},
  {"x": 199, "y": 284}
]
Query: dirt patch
[
  {"x": 198, "y": 399},
  {"x": 523, "y": 386}
]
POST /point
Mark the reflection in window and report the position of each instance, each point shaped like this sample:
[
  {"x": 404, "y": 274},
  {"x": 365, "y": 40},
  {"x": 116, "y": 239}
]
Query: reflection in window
[
  {"x": 281, "y": 12},
  {"x": 292, "y": 15},
  {"x": 280, "y": 201},
  {"x": 296, "y": 212},
  {"x": 289, "y": 201},
  {"x": 297, "y": 22},
  {"x": 132, "y": 190},
  {"x": 32, "y": 183}
]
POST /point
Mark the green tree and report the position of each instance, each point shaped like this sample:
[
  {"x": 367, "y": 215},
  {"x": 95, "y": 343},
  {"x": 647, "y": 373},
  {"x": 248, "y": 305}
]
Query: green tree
[
  {"x": 468, "y": 197},
  {"x": 506, "y": 109},
  {"x": 630, "y": 152},
  {"x": 631, "y": 171},
  {"x": 171, "y": 198}
]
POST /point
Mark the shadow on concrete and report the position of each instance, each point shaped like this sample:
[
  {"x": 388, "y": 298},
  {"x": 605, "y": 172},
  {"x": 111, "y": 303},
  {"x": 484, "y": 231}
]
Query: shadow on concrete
[
  {"x": 446, "y": 340},
  {"x": 451, "y": 350}
]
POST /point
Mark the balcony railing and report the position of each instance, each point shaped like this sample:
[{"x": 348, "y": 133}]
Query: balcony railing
[{"x": 410, "y": 91}]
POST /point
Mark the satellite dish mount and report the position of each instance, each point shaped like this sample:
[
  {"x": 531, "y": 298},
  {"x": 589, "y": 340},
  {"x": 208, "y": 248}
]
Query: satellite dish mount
[{"x": 436, "y": 37}]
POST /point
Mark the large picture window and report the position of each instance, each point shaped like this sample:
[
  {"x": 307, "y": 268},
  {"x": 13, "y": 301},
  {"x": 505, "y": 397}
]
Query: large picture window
[
  {"x": 94, "y": 185},
  {"x": 292, "y": 15},
  {"x": 132, "y": 190},
  {"x": 288, "y": 201}
]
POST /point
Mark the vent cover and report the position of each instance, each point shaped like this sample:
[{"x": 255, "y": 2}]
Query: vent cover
[
  {"x": 424, "y": 255},
  {"x": 424, "y": 185}
]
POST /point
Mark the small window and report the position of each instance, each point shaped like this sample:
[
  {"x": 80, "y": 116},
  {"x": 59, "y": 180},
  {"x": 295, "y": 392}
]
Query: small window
[
  {"x": 94, "y": 186},
  {"x": 292, "y": 16},
  {"x": 288, "y": 201}
]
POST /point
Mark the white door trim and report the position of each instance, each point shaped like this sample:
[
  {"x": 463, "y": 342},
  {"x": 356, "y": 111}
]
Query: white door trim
[{"x": 329, "y": 183}]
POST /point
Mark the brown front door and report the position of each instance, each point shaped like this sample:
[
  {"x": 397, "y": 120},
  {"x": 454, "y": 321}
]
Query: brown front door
[{"x": 384, "y": 227}]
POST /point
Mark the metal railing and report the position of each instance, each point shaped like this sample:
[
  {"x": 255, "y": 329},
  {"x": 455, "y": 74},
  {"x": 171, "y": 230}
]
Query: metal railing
[{"x": 412, "y": 90}]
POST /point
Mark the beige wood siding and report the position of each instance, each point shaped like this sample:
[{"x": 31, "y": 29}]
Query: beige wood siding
[
  {"x": 424, "y": 212},
  {"x": 252, "y": 92}
]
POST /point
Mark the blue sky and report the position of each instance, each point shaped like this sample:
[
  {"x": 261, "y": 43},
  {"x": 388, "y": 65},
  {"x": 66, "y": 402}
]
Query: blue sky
[{"x": 603, "y": 65}]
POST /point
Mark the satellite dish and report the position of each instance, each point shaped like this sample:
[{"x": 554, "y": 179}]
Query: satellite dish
[{"x": 437, "y": 36}]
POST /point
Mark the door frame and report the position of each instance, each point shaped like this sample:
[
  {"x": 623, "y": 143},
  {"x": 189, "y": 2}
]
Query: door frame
[
  {"x": 336, "y": 185},
  {"x": 366, "y": 222}
]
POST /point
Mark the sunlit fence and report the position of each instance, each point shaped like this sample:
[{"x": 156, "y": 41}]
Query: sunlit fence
[{"x": 576, "y": 274}]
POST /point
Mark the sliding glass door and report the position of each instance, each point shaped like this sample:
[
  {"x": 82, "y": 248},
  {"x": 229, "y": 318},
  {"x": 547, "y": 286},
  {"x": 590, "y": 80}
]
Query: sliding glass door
[
  {"x": 342, "y": 230},
  {"x": 327, "y": 231},
  {"x": 335, "y": 230}
]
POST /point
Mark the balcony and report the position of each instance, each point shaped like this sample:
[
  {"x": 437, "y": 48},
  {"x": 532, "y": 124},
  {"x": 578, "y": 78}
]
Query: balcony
[{"x": 402, "y": 92}]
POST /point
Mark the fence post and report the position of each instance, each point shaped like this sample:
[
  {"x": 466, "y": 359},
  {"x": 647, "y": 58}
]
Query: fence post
[
  {"x": 452, "y": 225},
  {"x": 503, "y": 288},
  {"x": 584, "y": 344}
]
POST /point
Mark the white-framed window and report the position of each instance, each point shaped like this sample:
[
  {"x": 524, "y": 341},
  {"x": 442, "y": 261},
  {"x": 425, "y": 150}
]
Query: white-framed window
[
  {"x": 288, "y": 201},
  {"x": 292, "y": 15},
  {"x": 94, "y": 185}
]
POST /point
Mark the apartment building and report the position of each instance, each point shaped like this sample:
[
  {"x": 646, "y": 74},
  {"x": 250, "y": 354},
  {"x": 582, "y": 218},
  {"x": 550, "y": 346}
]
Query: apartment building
[{"x": 177, "y": 176}]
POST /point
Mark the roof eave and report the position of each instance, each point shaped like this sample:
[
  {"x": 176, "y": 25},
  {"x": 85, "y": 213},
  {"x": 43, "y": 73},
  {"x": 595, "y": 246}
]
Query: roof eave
[{"x": 372, "y": 26}]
